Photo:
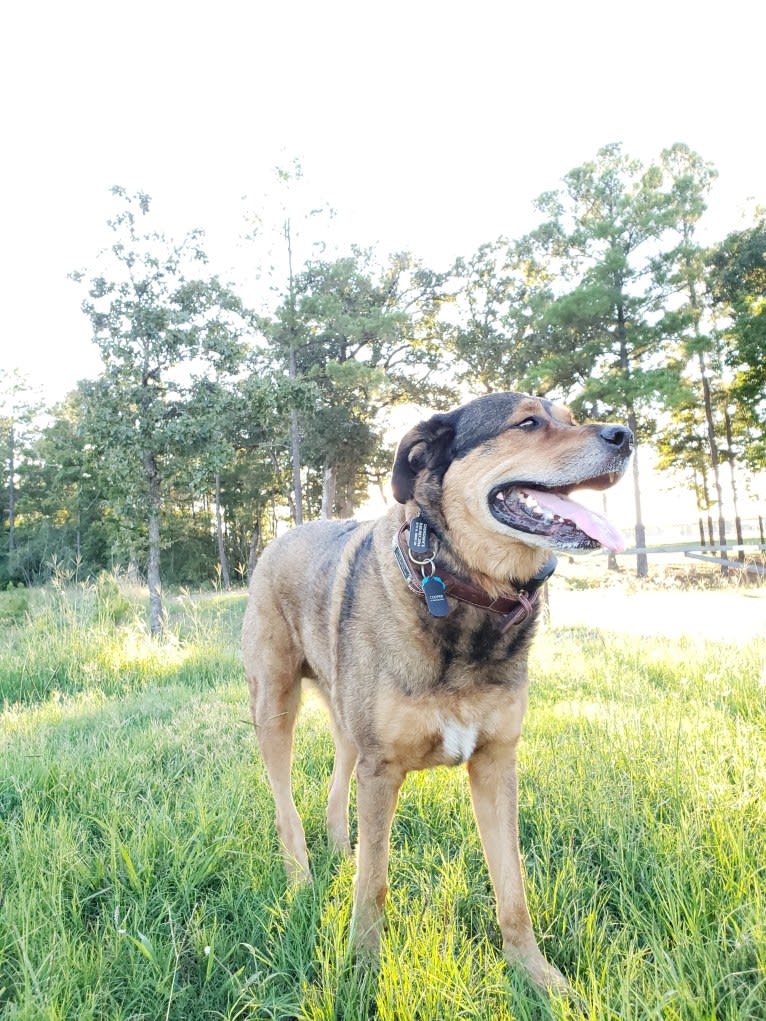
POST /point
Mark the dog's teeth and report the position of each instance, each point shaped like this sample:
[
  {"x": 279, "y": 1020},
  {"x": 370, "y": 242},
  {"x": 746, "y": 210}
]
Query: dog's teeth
[{"x": 501, "y": 496}]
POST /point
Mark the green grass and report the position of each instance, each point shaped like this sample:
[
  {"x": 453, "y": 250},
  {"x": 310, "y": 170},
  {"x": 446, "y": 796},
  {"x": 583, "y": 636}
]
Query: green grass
[{"x": 140, "y": 875}]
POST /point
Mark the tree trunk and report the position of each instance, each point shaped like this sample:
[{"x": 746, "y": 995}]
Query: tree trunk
[
  {"x": 133, "y": 570},
  {"x": 346, "y": 478},
  {"x": 11, "y": 497},
  {"x": 611, "y": 559},
  {"x": 253, "y": 554},
  {"x": 714, "y": 456},
  {"x": 706, "y": 504},
  {"x": 219, "y": 533},
  {"x": 295, "y": 447},
  {"x": 153, "y": 580},
  {"x": 329, "y": 485},
  {"x": 642, "y": 561},
  {"x": 734, "y": 495},
  {"x": 292, "y": 370},
  {"x": 290, "y": 501}
]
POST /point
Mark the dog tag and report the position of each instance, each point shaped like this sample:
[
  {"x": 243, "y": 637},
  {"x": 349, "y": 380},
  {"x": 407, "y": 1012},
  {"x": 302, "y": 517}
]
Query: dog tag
[
  {"x": 436, "y": 600},
  {"x": 419, "y": 537}
]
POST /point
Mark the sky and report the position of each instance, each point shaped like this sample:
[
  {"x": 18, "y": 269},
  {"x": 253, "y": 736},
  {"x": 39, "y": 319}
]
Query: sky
[{"x": 428, "y": 126}]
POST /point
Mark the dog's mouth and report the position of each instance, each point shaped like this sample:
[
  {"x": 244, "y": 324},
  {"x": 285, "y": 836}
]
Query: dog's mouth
[{"x": 551, "y": 515}]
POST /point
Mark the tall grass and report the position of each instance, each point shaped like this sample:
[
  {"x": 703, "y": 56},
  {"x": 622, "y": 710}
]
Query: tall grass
[{"x": 140, "y": 876}]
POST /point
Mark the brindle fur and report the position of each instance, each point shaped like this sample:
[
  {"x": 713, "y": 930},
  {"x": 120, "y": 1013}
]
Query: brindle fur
[{"x": 406, "y": 690}]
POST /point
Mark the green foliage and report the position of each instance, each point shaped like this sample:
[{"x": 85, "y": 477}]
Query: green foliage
[
  {"x": 739, "y": 285},
  {"x": 357, "y": 338},
  {"x": 111, "y": 604},
  {"x": 179, "y": 456},
  {"x": 603, "y": 353},
  {"x": 20, "y": 408},
  {"x": 14, "y": 604},
  {"x": 607, "y": 305},
  {"x": 151, "y": 320},
  {"x": 499, "y": 333}
]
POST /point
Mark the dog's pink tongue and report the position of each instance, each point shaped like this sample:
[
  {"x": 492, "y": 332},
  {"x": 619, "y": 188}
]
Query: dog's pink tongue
[{"x": 594, "y": 525}]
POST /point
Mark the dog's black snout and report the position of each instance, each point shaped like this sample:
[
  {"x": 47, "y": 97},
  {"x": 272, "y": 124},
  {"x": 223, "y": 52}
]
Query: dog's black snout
[{"x": 619, "y": 437}]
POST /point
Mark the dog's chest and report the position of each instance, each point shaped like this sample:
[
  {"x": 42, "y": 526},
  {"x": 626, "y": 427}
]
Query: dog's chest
[
  {"x": 436, "y": 731},
  {"x": 476, "y": 644},
  {"x": 458, "y": 740}
]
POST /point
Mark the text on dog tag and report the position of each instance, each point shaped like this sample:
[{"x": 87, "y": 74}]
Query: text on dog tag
[
  {"x": 436, "y": 600},
  {"x": 418, "y": 539}
]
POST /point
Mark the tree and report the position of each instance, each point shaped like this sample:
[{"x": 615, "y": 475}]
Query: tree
[
  {"x": 64, "y": 517},
  {"x": 688, "y": 322},
  {"x": 682, "y": 447},
  {"x": 152, "y": 323},
  {"x": 496, "y": 335},
  {"x": 738, "y": 283},
  {"x": 259, "y": 478},
  {"x": 365, "y": 337},
  {"x": 237, "y": 446},
  {"x": 601, "y": 237},
  {"x": 283, "y": 263},
  {"x": 290, "y": 335},
  {"x": 19, "y": 408}
]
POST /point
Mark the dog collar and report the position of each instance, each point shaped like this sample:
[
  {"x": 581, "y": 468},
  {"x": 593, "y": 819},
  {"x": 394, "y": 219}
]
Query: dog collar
[{"x": 411, "y": 548}]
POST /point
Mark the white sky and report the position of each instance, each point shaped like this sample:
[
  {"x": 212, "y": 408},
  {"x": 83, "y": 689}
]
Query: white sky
[{"x": 429, "y": 125}]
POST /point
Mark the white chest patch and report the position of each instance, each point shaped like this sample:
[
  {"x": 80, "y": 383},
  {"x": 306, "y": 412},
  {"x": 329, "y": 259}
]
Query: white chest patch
[{"x": 459, "y": 740}]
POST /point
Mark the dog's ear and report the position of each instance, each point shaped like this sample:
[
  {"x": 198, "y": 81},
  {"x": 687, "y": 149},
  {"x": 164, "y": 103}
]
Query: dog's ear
[{"x": 428, "y": 445}]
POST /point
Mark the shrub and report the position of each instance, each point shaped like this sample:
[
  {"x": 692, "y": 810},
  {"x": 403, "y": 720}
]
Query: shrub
[
  {"x": 14, "y": 604},
  {"x": 111, "y": 604}
]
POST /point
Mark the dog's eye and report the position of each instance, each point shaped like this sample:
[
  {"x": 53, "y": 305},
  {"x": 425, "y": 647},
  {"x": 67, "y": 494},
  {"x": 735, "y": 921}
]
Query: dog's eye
[{"x": 529, "y": 423}]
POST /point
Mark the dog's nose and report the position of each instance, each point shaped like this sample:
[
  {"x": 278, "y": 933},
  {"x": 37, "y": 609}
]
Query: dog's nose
[{"x": 619, "y": 437}]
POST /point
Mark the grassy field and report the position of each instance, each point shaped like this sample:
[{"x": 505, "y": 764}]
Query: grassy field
[{"x": 140, "y": 876}]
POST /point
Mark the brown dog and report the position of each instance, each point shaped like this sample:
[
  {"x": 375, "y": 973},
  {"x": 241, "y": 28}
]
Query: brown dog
[{"x": 416, "y": 629}]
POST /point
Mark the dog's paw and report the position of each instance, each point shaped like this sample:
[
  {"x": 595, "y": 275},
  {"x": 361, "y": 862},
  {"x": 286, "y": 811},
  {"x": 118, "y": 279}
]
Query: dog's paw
[
  {"x": 366, "y": 933},
  {"x": 298, "y": 871},
  {"x": 551, "y": 980},
  {"x": 542, "y": 974},
  {"x": 339, "y": 843}
]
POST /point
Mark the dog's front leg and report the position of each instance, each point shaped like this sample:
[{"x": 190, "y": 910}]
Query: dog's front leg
[
  {"x": 378, "y": 784},
  {"x": 492, "y": 773}
]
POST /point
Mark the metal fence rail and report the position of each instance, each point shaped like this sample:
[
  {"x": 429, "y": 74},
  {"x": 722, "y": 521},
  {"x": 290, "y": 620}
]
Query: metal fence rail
[{"x": 708, "y": 554}]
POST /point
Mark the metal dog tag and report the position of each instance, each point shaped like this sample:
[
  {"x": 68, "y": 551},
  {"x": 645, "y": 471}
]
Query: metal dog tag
[
  {"x": 418, "y": 540},
  {"x": 436, "y": 600}
]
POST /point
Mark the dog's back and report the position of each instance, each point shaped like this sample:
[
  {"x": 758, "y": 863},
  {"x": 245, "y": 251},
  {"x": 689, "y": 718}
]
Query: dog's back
[{"x": 294, "y": 598}]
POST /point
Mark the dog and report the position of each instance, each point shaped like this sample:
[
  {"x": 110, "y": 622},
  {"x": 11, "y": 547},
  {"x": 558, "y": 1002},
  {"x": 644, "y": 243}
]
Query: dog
[{"x": 416, "y": 629}]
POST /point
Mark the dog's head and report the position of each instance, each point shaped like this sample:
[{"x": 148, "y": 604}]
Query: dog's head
[{"x": 501, "y": 470}]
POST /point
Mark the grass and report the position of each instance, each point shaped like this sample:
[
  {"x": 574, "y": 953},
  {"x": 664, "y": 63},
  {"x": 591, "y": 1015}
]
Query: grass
[{"x": 140, "y": 874}]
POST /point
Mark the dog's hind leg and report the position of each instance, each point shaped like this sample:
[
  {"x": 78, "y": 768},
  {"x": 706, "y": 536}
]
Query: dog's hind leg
[
  {"x": 275, "y": 690},
  {"x": 492, "y": 773},
  {"x": 337, "y": 801}
]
